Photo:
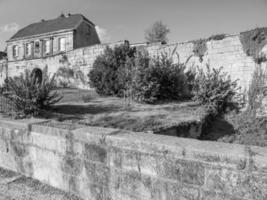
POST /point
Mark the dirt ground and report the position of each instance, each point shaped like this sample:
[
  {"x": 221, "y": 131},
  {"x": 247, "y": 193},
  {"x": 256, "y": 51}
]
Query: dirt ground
[
  {"x": 14, "y": 186},
  {"x": 116, "y": 113}
]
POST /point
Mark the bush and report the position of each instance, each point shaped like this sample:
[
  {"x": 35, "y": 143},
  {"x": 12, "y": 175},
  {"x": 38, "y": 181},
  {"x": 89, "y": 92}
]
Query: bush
[
  {"x": 158, "y": 79},
  {"x": 251, "y": 125},
  {"x": 253, "y": 41},
  {"x": 217, "y": 37},
  {"x": 64, "y": 76},
  {"x": 109, "y": 70},
  {"x": 200, "y": 48},
  {"x": 249, "y": 130},
  {"x": 29, "y": 96},
  {"x": 256, "y": 90},
  {"x": 216, "y": 91}
]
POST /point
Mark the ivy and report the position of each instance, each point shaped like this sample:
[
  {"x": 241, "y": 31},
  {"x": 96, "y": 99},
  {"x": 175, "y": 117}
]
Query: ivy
[
  {"x": 217, "y": 37},
  {"x": 253, "y": 41},
  {"x": 200, "y": 48}
]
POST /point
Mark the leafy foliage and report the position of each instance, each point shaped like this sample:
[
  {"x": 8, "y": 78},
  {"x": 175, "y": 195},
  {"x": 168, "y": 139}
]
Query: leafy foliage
[
  {"x": 79, "y": 76},
  {"x": 157, "y": 33},
  {"x": 64, "y": 76},
  {"x": 200, "y": 48},
  {"x": 29, "y": 96},
  {"x": 217, "y": 37},
  {"x": 110, "y": 71},
  {"x": 256, "y": 90},
  {"x": 248, "y": 130},
  {"x": 253, "y": 41},
  {"x": 159, "y": 79},
  {"x": 216, "y": 91}
]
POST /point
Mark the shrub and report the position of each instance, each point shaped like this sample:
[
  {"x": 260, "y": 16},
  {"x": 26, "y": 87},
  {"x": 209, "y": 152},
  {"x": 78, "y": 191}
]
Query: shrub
[
  {"x": 158, "y": 79},
  {"x": 109, "y": 69},
  {"x": 253, "y": 41},
  {"x": 248, "y": 130},
  {"x": 79, "y": 76},
  {"x": 64, "y": 76},
  {"x": 200, "y": 48},
  {"x": 216, "y": 91},
  {"x": 217, "y": 37},
  {"x": 30, "y": 97},
  {"x": 256, "y": 90}
]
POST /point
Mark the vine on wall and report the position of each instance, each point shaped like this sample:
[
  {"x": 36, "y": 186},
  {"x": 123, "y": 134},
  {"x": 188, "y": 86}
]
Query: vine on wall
[
  {"x": 200, "y": 48},
  {"x": 217, "y": 37},
  {"x": 253, "y": 41}
]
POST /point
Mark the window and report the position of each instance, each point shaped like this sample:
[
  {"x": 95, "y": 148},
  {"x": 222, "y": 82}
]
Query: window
[
  {"x": 28, "y": 49},
  {"x": 62, "y": 44},
  {"x": 47, "y": 47},
  {"x": 15, "y": 51},
  {"x": 37, "y": 47}
]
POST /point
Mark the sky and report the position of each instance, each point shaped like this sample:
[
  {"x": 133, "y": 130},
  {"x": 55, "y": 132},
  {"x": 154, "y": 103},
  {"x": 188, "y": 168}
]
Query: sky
[{"x": 118, "y": 20}]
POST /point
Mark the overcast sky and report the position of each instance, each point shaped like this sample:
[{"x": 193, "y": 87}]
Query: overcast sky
[{"x": 128, "y": 19}]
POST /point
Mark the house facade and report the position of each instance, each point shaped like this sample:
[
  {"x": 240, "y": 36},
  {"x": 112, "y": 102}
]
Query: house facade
[
  {"x": 52, "y": 44},
  {"x": 51, "y": 37}
]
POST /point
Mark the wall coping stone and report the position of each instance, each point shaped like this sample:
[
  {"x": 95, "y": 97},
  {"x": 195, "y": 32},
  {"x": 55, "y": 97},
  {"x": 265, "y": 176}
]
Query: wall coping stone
[{"x": 19, "y": 123}]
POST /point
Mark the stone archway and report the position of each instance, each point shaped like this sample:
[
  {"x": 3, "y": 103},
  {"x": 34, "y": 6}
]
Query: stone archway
[{"x": 37, "y": 75}]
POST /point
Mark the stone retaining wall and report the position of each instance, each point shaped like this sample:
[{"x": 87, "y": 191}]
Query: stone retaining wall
[
  {"x": 110, "y": 164},
  {"x": 79, "y": 60},
  {"x": 227, "y": 53}
]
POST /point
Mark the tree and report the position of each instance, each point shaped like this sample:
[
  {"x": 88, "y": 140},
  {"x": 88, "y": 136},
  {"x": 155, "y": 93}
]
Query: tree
[
  {"x": 109, "y": 75},
  {"x": 157, "y": 33}
]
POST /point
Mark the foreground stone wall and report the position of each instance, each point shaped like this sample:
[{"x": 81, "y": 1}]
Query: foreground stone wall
[{"x": 99, "y": 163}]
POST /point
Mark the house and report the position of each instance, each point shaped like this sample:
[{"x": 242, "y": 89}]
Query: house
[{"x": 51, "y": 37}]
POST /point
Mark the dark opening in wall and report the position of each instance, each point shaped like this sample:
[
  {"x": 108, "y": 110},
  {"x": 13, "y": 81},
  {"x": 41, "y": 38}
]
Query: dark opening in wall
[{"x": 37, "y": 75}]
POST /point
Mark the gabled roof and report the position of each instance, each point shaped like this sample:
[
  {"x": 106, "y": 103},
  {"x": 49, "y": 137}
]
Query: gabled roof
[{"x": 69, "y": 22}]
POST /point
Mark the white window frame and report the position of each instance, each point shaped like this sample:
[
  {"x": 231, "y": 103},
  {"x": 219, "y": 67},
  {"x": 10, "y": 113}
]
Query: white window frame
[
  {"x": 28, "y": 49},
  {"x": 62, "y": 44},
  {"x": 47, "y": 46},
  {"x": 15, "y": 51}
]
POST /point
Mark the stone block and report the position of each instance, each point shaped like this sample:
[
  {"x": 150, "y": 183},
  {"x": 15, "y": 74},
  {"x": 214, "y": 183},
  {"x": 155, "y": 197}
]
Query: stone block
[
  {"x": 258, "y": 159},
  {"x": 97, "y": 173},
  {"x": 237, "y": 184},
  {"x": 50, "y": 142},
  {"x": 133, "y": 160},
  {"x": 207, "y": 195},
  {"x": 131, "y": 184},
  {"x": 192, "y": 172},
  {"x": 72, "y": 166},
  {"x": 94, "y": 152}
]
